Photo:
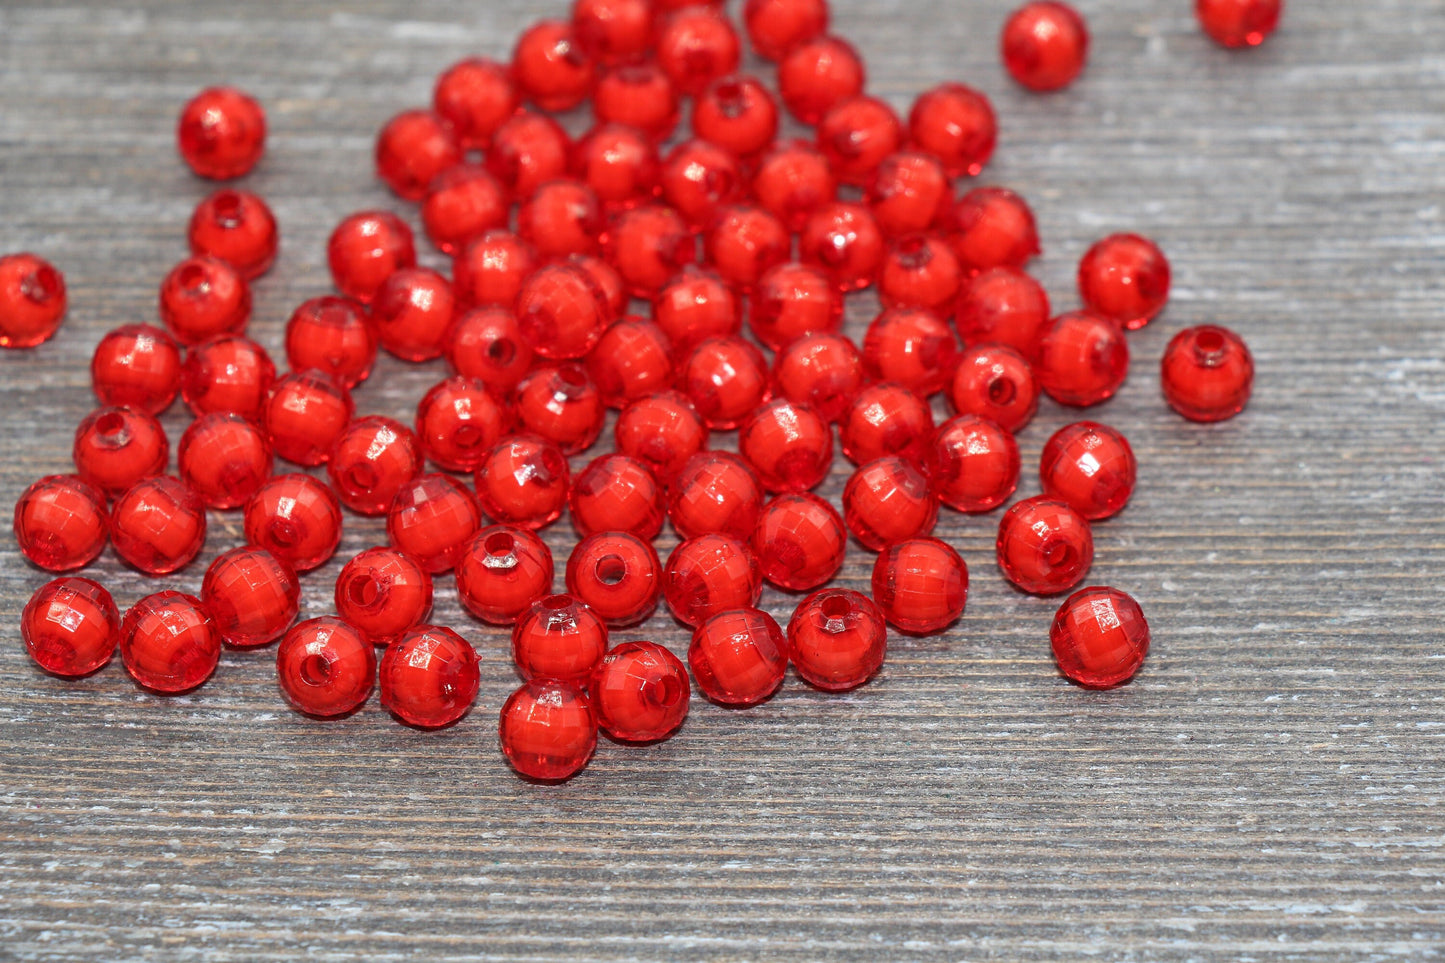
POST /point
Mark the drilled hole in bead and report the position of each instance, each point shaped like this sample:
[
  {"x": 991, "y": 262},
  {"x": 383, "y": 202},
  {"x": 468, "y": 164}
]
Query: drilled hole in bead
[
  {"x": 557, "y": 603},
  {"x": 732, "y": 99},
  {"x": 362, "y": 477},
  {"x": 1210, "y": 346},
  {"x": 1001, "y": 391},
  {"x": 665, "y": 692},
  {"x": 1059, "y": 554},
  {"x": 500, "y": 544},
  {"x": 111, "y": 427},
  {"x": 194, "y": 280},
  {"x": 836, "y": 607},
  {"x": 502, "y": 351},
  {"x": 41, "y": 284},
  {"x": 572, "y": 376},
  {"x": 316, "y": 670},
  {"x": 226, "y": 207},
  {"x": 364, "y": 591},
  {"x": 284, "y": 532},
  {"x": 467, "y": 436},
  {"x": 610, "y": 570},
  {"x": 914, "y": 253}
]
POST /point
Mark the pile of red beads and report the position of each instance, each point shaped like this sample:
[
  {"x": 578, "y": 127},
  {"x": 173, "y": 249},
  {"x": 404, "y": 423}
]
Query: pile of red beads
[{"x": 742, "y": 248}]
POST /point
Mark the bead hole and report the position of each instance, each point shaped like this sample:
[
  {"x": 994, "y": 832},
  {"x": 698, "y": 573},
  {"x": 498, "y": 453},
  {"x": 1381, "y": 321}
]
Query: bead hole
[
  {"x": 362, "y": 477},
  {"x": 194, "y": 280},
  {"x": 1059, "y": 554},
  {"x": 836, "y": 607},
  {"x": 111, "y": 425},
  {"x": 557, "y": 603},
  {"x": 284, "y": 532},
  {"x": 41, "y": 284},
  {"x": 1001, "y": 391},
  {"x": 1210, "y": 345},
  {"x": 664, "y": 692},
  {"x": 572, "y": 376},
  {"x": 502, "y": 351},
  {"x": 227, "y": 208},
  {"x": 467, "y": 436},
  {"x": 363, "y": 591},
  {"x": 610, "y": 569},
  {"x": 500, "y": 544},
  {"x": 316, "y": 670}
]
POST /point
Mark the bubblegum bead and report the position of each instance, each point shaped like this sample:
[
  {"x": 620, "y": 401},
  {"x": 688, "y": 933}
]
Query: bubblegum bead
[
  {"x": 619, "y": 163},
  {"x": 296, "y": 518},
  {"x": 695, "y": 305},
  {"x": 973, "y": 464},
  {"x": 613, "y": 31},
  {"x": 1044, "y": 45},
  {"x": 1091, "y": 467},
  {"x": 919, "y": 271},
  {"x": 203, "y": 297},
  {"x": 460, "y": 203},
  {"x": 429, "y": 677},
  {"x": 956, "y": 124},
  {"x": 993, "y": 227},
  {"x": 744, "y": 242},
  {"x": 792, "y": 300},
  {"x": 501, "y": 572},
  {"x": 524, "y": 482},
  {"x": 800, "y": 542},
  {"x": 910, "y": 193},
  {"x": 995, "y": 382},
  {"x": 617, "y": 575},
  {"x": 726, "y": 379},
  {"x": 224, "y": 459},
  {"x": 32, "y": 300},
  {"x": 1083, "y": 359},
  {"x": 564, "y": 217},
  {"x": 662, "y": 431},
  {"x": 558, "y": 637},
  {"x": 252, "y": 596},
  {"x": 490, "y": 270},
  {"x": 823, "y": 371},
  {"x": 325, "y": 668},
  {"x": 412, "y": 149},
  {"x": 1044, "y": 546},
  {"x": 792, "y": 181},
  {"x": 737, "y": 113},
  {"x": 432, "y": 519},
  {"x": 640, "y": 692},
  {"x": 788, "y": 444},
  {"x": 383, "y": 593},
  {"x": 856, "y": 135},
  {"x": 561, "y": 404},
  {"x": 117, "y": 447},
  {"x": 70, "y": 627},
  {"x": 920, "y": 585},
  {"x": 229, "y": 373},
  {"x": 412, "y": 313},
  {"x": 639, "y": 95},
  {"x": 458, "y": 422},
  {"x": 818, "y": 75},
  {"x": 527, "y": 151},
  {"x": 710, "y": 574},
  {"x": 777, "y": 26},
  {"x": 476, "y": 96},
  {"x": 158, "y": 525},
  {"x": 844, "y": 241},
  {"x": 1003, "y": 305},
  {"x": 237, "y": 227},
  {"x": 370, "y": 462},
  {"x": 221, "y": 133},
  {"x": 561, "y": 312},
  {"x": 486, "y": 344},
  {"x": 169, "y": 643},
  {"x": 715, "y": 493},
  {"x": 631, "y": 360},
  {"x": 888, "y": 500},
  {"x": 1238, "y": 23},
  {"x": 648, "y": 245},
  {"x": 699, "y": 178},
  {"x": 837, "y": 639},
  {"x": 913, "y": 347},
  {"x": 61, "y": 523},
  {"x": 548, "y": 730},
  {"x": 551, "y": 68},
  {"x": 1100, "y": 637},
  {"x": 305, "y": 414},
  {"x": 738, "y": 657},
  {"x": 886, "y": 419},
  {"x": 138, "y": 366},
  {"x": 365, "y": 249},
  {"x": 615, "y": 493},
  {"x": 332, "y": 335},
  {"x": 1207, "y": 373},
  {"x": 696, "y": 46},
  {"x": 1125, "y": 278}
]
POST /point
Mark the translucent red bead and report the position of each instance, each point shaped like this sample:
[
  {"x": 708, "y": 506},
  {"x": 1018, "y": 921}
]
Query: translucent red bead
[
  {"x": 639, "y": 95},
  {"x": 1091, "y": 467},
  {"x": 370, "y": 462},
  {"x": 221, "y": 133},
  {"x": 229, "y": 373},
  {"x": 1044, "y": 546},
  {"x": 920, "y": 585},
  {"x": 169, "y": 643},
  {"x": 788, "y": 445},
  {"x": 956, "y": 124},
  {"x": 558, "y": 637},
  {"x": 972, "y": 464},
  {"x": 792, "y": 300},
  {"x": 325, "y": 668},
  {"x": 524, "y": 481},
  {"x": 61, "y": 523},
  {"x": 695, "y": 46},
  {"x": 910, "y": 193},
  {"x": 844, "y": 241},
  {"x": 502, "y": 571},
  {"x": 490, "y": 268},
  {"x": 920, "y": 272},
  {"x": 640, "y": 692},
  {"x": 461, "y": 203},
  {"x": 888, "y": 500},
  {"x": 561, "y": 311},
  {"x": 1238, "y": 23},
  {"x": 383, "y": 593},
  {"x": 886, "y": 419},
  {"x": 486, "y": 343},
  {"x": 726, "y": 379},
  {"x": 856, "y": 135},
  {"x": 619, "y": 164},
  {"x": 560, "y": 403},
  {"x": 251, "y": 595},
  {"x": 70, "y": 627},
  {"x": 158, "y": 525},
  {"x": 738, "y": 657},
  {"x": 613, "y": 31},
  {"x": 296, "y": 518},
  {"x": 912, "y": 347},
  {"x": 837, "y": 639},
  {"x": 333, "y": 336},
  {"x": 365, "y": 249},
  {"x": 412, "y": 312},
  {"x": 993, "y": 227},
  {"x": 432, "y": 520},
  {"x": 744, "y": 242},
  {"x": 710, "y": 574},
  {"x": 823, "y": 371},
  {"x": 698, "y": 178},
  {"x": 203, "y": 297},
  {"x": 648, "y": 245},
  {"x": 715, "y": 493},
  {"x": 223, "y": 458},
  {"x": 548, "y": 730},
  {"x": 799, "y": 542},
  {"x": 1003, "y": 305},
  {"x": 116, "y": 447},
  {"x": 138, "y": 366},
  {"x": 1100, "y": 637},
  {"x": 617, "y": 575},
  {"x": 459, "y": 422},
  {"x": 737, "y": 113},
  {"x": 1207, "y": 373},
  {"x": 412, "y": 149},
  {"x": 631, "y": 360},
  {"x": 615, "y": 493},
  {"x": 32, "y": 300},
  {"x": 818, "y": 75},
  {"x": 304, "y": 415},
  {"x": 662, "y": 431},
  {"x": 237, "y": 227},
  {"x": 792, "y": 181},
  {"x": 995, "y": 382},
  {"x": 551, "y": 68},
  {"x": 476, "y": 96},
  {"x": 1083, "y": 359},
  {"x": 1125, "y": 278},
  {"x": 694, "y": 305},
  {"x": 564, "y": 217},
  {"x": 1044, "y": 45},
  {"x": 429, "y": 677},
  {"x": 527, "y": 151}
]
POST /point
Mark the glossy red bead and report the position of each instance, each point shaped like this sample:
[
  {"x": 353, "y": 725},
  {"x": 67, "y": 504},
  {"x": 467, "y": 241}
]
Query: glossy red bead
[
  {"x": 696, "y": 46},
  {"x": 252, "y": 596},
  {"x": 229, "y": 373},
  {"x": 203, "y": 297},
  {"x": 1091, "y": 467},
  {"x": 32, "y": 300},
  {"x": 1083, "y": 359},
  {"x": 615, "y": 493},
  {"x": 1207, "y": 373},
  {"x": 792, "y": 300},
  {"x": 237, "y": 227},
  {"x": 710, "y": 574},
  {"x": 886, "y": 419},
  {"x": 527, "y": 151},
  {"x": 662, "y": 431},
  {"x": 1100, "y": 637},
  {"x": 296, "y": 518},
  {"x": 561, "y": 404},
  {"x": 816, "y": 76},
  {"x": 476, "y": 96},
  {"x": 648, "y": 245},
  {"x": 1238, "y": 23},
  {"x": 1005, "y": 306},
  {"x": 432, "y": 520},
  {"x": 920, "y": 271},
  {"x": 486, "y": 344},
  {"x": 639, "y": 95},
  {"x": 552, "y": 69},
  {"x": 365, "y": 249},
  {"x": 744, "y": 242},
  {"x": 888, "y": 500},
  {"x": 1044, "y": 45},
  {"x": 789, "y": 445},
  {"x": 1044, "y": 546},
  {"x": 334, "y": 336},
  {"x": 912, "y": 347},
  {"x": 738, "y": 657},
  {"x": 920, "y": 585},
  {"x": 383, "y": 593},
  {"x": 1125, "y": 278},
  {"x": 116, "y": 447},
  {"x": 631, "y": 360},
  {"x": 613, "y": 31},
  {"x": 561, "y": 311},
  {"x": 562, "y": 218},
  {"x": 221, "y": 133},
  {"x": 61, "y": 523},
  {"x": 459, "y": 422},
  {"x": 694, "y": 305},
  {"x": 617, "y": 575},
  {"x": 370, "y": 462},
  {"x": 412, "y": 149},
  {"x": 137, "y": 366},
  {"x": 223, "y": 458},
  {"x": 995, "y": 382},
  {"x": 726, "y": 379},
  {"x": 501, "y": 572},
  {"x": 325, "y": 668},
  {"x": 460, "y": 203},
  {"x": 823, "y": 371},
  {"x": 620, "y": 164},
  {"x": 737, "y": 113},
  {"x": 169, "y": 643},
  {"x": 799, "y": 542},
  {"x": 844, "y": 241},
  {"x": 429, "y": 677},
  {"x": 699, "y": 179},
  {"x": 837, "y": 639},
  {"x": 776, "y": 27},
  {"x": 793, "y": 180},
  {"x": 614, "y": 293},
  {"x": 910, "y": 193},
  {"x": 70, "y": 626},
  {"x": 524, "y": 482},
  {"x": 558, "y": 637},
  {"x": 413, "y": 312},
  {"x": 305, "y": 414},
  {"x": 548, "y": 730},
  {"x": 857, "y": 135},
  {"x": 972, "y": 464},
  {"x": 490, "y": 270},
  {"x": 956, "y": 124},
  {"x": 993, "y": 227},
  {"x": 716, "y": 492},
  {"x": 640, "y": 692}
]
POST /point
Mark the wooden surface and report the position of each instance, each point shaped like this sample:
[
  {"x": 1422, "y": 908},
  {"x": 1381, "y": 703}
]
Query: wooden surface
[{"x": 1269, "y": 787}]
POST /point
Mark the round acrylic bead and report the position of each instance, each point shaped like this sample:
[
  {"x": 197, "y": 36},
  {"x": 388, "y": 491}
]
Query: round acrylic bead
[
  {"x": 910, "y": 193},
  {"x": 524, "y": 482},
  {"x": 305, "y": 414},
  {"x": 641, "y": 692},
  {"x": 995, "y": 382},
  {"x": 229, "y": 373},
  {"x": 138, "y": 366},
  {"x": 490, "y": 270},
  {"x": 252, "y": 596},
  {"x": 237, "y": 227},
  {"x": 715, "y": 493},
  {"x": 818, "y": 75},
  {"x": 383, "y": 593},
  {"x": 224, "y": 459},
  {"x": 648, "y": 245},
  {"x": 564, "y": 217},
  {"x": 221, "y": 133},
  {"x": 738, "y": 657},
  {"x": 886, "y": 419},
  {"x": 1124, "y": 278},
  {"x": 631, "y": 360},
  {"x": 432, "y": 519},
  {"x": 365, "y": 249},
  {"x": 744, "y": 242},
  {"x": 117, "y": 447},
  {"x": 993, "y": 227},
  {"x": 614, "y": 294},
  {"x": 799, "y": 542},
  {"x": 32, "y": 300},
  {"x": 919, "y": 271},
  {"x": 476, "y": 96},
  {"x": 696, "y": 46},
  {"x": 70, "y": 626},
  {"x": 920, "y": 585},
  {"x": 1091, "y": 467},
  {"x": 823, "y": 371},
  {"x": 844, "y": 241},
  {"x": 412, "y": 312},
  {"x": 1083, "y": 359},
  {"x": 325, "y": 668},
  {"x": 370, "y": 462},
  {"x": 169, "y": 642},
  {"x": 726, "y": 379},
  {"x": 837, "y": 639},
  {"x": 856, "y": 135},
  {"x": 793, "y": 300},
  {"x": 412, "y": 149},
  {"x": 548, "y": 730},
  {"x": 792, "y": 181},
  {"x": 699, "y": 178},
  {"x": 429, "y": 677},
  {"x": 1207, "y": 373},
  {"x": 789, "y": 445},
  {"x": 551, "y": 68},
  {"x": 61, "y": 523},
  {"x": 973, "y": 464},
  {"x": 486, "y": 344},
  {"x": 639, "y": 95},
  {"x": 956, "y": 124},
  {"x": 296, "y": 518},
  {"x": 1044, "y": 45},
  {"x": 158, "y": 525},
  {"x": 527, "y": 151},
  {"x": 613, "y": 31},
  {"x": 620, "y": 164},
  {"x": 913, "y": 347},
  {"x": 737, "y": 113},
  {"x": 694, "y": 305},
  {"x": 1044, "y": 546},
  {"x": 615, "y": 493},
  {"x": 204, "y": 297},
  {"x": 888, "y": 500},
  {"x": 617, "y": 575},
  {"x": 1238, "y": 23},
  {"x": 561, "y": 404},
  {"x": 502, "y": 571},
  {"x": 460, "y": 203},
  {"x": 1099, "y": 637},
  {"x": 710, "y": 574},
  {"x": 662, "y": 431},
  {"x": 777, "y": 26},
  {"x": 458, "y": 422},
  {"x": 334, "y": 336},
  {"x": 561, "y": 311},
  {"x": 558, "y": 637},
  {"x": 1006, "y": 306}
]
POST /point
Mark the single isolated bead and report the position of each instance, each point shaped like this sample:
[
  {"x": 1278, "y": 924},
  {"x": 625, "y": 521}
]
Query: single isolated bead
[
  {"x": 564, "y": 217},
  {"x": 502, "y": 571},
  {"x": 558, "y": 637},
  {"x": 1099, "y": 637},
  {"x": 412, "y": 149},
  {"x": 631, "y": 360},
  {"x": 615, "y": 493},
  {"x": 886, "y": 419},
  {"x": 910, "y": 193},
  {"x": 551, "y": 68},
  {"x": 792, "y": 300},
  {"x": 32, "y": 300},
  {"x": 223, "y": 458},
  {"x": 459, "y": 422},
  {"x": 776, "y": 27},
  {"x": 1238, "y": 23},
  {"x": 738, "y": 657},
  {"x": 620, "y": 164},
  {"x": 993, "y": 227},
  {"x": 710, "y": 574},
  {"x": 995, "y": 382},
  {"x": 920, "y": 271},
  {"x": 365, "y": 249},
  {"x": 221, "y": 133},
  {"x": 1044, "y": 45},
  {"x": 548, "y": 730},
  {"x": 237, "y": 227},
  {"x": 117, "y": 447},
  {"x": 561, "y": 312},
  {"x": 1207, "y": 373},
  {"x": 527, "y": 151},
  {"x": 696, "y": 46},
  {"x": 956, "y": 124},
  {"x": 792, "y": 181},
  {"x": 694, "y": 305},
  {"x": 726, "y": 379},
  {"x": 837, "y": 639},
  {"x": 1003, "y": 305},
  {"x": 648, "y": 245},
  {"x": 137, "y": 366},
  {"x": 486, "y": 344},
  {"x": 461, "y": 203},
  {"x": 843, "y": 239},
  {"x": 1091, "y": 467},
  {"x": 432, "y": 520},
  {"x": 490, "y": 270},
  {"x": 744, "y": 242},
  {"x": 305, "y": 414},
  {"x": 973, "y": 464},
  {"x": 371, "y": 461},
  {"x": 524, "y": 482},
  {"x": 617, "y": 575},
  {"x": 1083, "y": 359},
  {"x": 383, "y": 593},
  {"x": 699, "y": 179},
  {"x": 912, "y": 347},
  {"x": 816, "y": 76},
  {"x": 561, "y": 404},
  {"x": 71, "y": 627},
  {"x": 640, "y": 692},
  {"x": 800, "y": 542},
  {"x": 332, "y": 335},
  {"x": 252, "y": 595},
  {"x": 823, "y": 371},
  {"x": 169, "y": 643},
  {"x": 789, "y": 445},
  {"x": 1044, "y": 546},
  {"x": 476, "y": 96},
  {"x": 662, "y": 431},
  {"x": 61, "y": 523},
  {"x": 737, "y": 113},
  {"x": 856, "y": 135},
  {"x": 920, "y": 585},
  {"x": 613, "y": 31},
  {"x": 429, "y": 677},
  {"x": 204, "y": 297},
  {"x": 325, "y": 668},
  {"x": 412, "y": 313},
  {"x": 296, "y": 518},
  {"x": 715, "y": 493},
  {"x": 229, "y": 373},
  {"x": 888, "y": 500},
  {"x": 1125, "y": 278},
  {"x": 158, "y": 525},
  {"x": 639, "y": 95}
]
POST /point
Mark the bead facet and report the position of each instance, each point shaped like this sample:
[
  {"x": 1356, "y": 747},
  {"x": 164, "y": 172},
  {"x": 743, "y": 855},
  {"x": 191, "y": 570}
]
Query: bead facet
[
  {"x": 229, "y": 373},
  {"x": 799, "y": 542},
  {"x": 615, "y": 493},
  {"x": 1207, "y": 373},
  {"x": 973, "y": 464},
  {"x": 252, "y": 596},
  {"x": 202, "y": 298},
  {"x": 432, "y": 520},
  {"x": 837, "y": 639},
  {"x": 296, "y": 518},
  {"x": 789, "y": 445},
  {"x": 367, "y": 248},
  {"x": 912, "y": 347},
  {"x": 169, "y": 643},
  {"x": 1125, "y": 278},
  {"x": 304, "y": 415},
  {"x": 70, "y": 626},
  {"x": 383, "y": 593},
  {"x": 886, "y": 419},
  {"x": 994, "y": 381},
  {"x": 715, "y": 493},
  {"x": 1044, "y": 546},
  {"x": 662, "y": 431},
  {"x": 738, "y": 657},
  {"x": 61, "y": 523},
  {"x": 459, "y": 422},
  {"x": 502, "y": 571},
  {"x": 887, "y": 500},
  {"x": 429, "y": 677},
  {"x": 325, "y": 668},
  {"x": 371, "y": 461},
  {"x": 558, "y": 637},
  {"x": 617, "y": 575},
  {"x": 224, "y": 459},
  {"x": 137, "y": 366},
  {"x": 548, "y": 730},
  {"x": 524, "y": 481},
  {"x": 710, "y": 574},
  {"x": 334, "y": 336},
  {"x": 1099, "y": 637},
  {"x": 1091, "y": 467},
  {"x": 641, "y": 692},
  {"x": 158, "y": 525},
  {"x": 920, "y": 585},
  {"x": 32, "y": 300},
  {"x": 1083, "y": 359}
]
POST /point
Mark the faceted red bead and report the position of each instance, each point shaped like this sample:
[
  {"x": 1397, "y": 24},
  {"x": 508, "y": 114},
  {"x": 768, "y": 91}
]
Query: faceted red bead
[
  {"x": 383, "y": 593},
  {"x": 696, "y": 46},
  {"x": 699, "y": 178},
  {"x": 548, "y": 730},
  {"x": 648, "y": 245},
  {"x": 252, "y": 596},
  {"x": 993, "y": 227},
  {"x": 563, "y": 217},
  {"x": 776, "y": 27},
  {"x": 229, "y": 373},
  {"x": 886, "y": 419},
  {"x": 613, "y": 31},
  {"x": 617, "y": 575},
  {"x": 223, "y": 458},
  {"x": 551, "y": 68},
  {"x": 561, "y": 404},
  {"x": 476, "y": 96},
  {"x": 640, "y": 692},
  {"x": 501, "y": 572},
  {"x": 1100, "y": 637},
  {"x": 221, "y": 133},
  {"x": 696, "y": 304},
  {"x": 558, "y": 637},
  {"x": 994, "y": 381},
  {"x": 956, "y": 124},
  {"x": 296, "y": 518},
  {"x": 1207, "y": 373},
  {"x": 1044, "y": 45},
  {"x": 169, "y": 643},
  {"x": 325, "y": 668},
  {"x": 412, "y": 313},
  {"x": 607, "y": 279},
  {"x": 837, "y": 639},
  {"x": 561, "y": 311},
  {"x": 461, "y": 203},
  {"x": 888, "y": 500},
  {"x": 371, "y": 461},
  {"x": 920, "y": 585},
  {"x": 910, "y": 193},
  {"x": 710, "y": 574},
  {"x": 792, "y": 181},
  {"x": 715, "y": 493},
  {"x": 973, "y": 464},
  {"x": 305, "y": 414},
  {"x": 737, "y": 113},
  {"x": 486, "y": 344},
  {"x": 237, "y": 227},
  {"x": 138, "y": 366},
  {"x": 365, "y": 249},
  {"x": 1091, "y": 467},
  {"x": 856, "y": 135},
  {"x": 792, "y": 300},
  {"x": 1083, "y": 359},
  {"x": 432, "y": 520},
  {"x": 117, "y": 447},
  {"x": 1006, "y": 306},
  {"x": 631, "y": 360},
  {"x": 459, "y": 422},
  {"x": 334, "y": 336},
  {"x": 1125, "y": 278},
  {"x": 491, "y": 268},
  {"x": 726, "y": 379},
  {"x": 202, "y": 298},
  {"x": 788, "y": 444},
  {"x": 818, "y": 75},
  {"x": 524, "y": 482},
  {"x": 744, "y": 242},
  {"x": 70, "y": 626},
  {"x": 920, "y": 271},
  {"x": 913, "y": 347},
  {"x": 1044, "y": 546},
  {"x": 619, "y": 163},
  {"x": 843, "y": 239},
  {"x": 61, "y": 523},
  {"x": 32, "y": 300},
  {"x": 662, "y": 431},
  {"x": 527, "y": 151},
  {"x": 639, "y": 95},
  {"x": 823, "y": 371},
  {"x": 429, "y": 677},
  {"x": 739, "y": 657},
  {"x": 800, "y": 542},
  {"x": 615, "y": 493},
  {"x": 412, "y": 149},
  {"x": 1238, "y": 23}
]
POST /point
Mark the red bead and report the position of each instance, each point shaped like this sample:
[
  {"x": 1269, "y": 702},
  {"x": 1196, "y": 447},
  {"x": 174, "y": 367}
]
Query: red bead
[
  {"x": 615, "y": 493},
  {"x": 32, "y": 300},
  {"x": 561, "y": 311},
  {"x": 432, "y": 520},
  {"x": 617, "y": 575},
  {"x": 383, "y": 593},
  {"x": 253, "y": 597},
  {"x": 527, "y": 151},
  {"x": 856, "y": 135},
  {"x": 1207, "y": 373},
  {"x": 696, "y": 305},
  {"x": 491, "y": 268},
  {"x": 886, "y": 419},
  {"x": 800, "y": 542},
  {"x": 613, "y": 31},
  {"x": 837, "y": 639},
  {"x": 501, "y": 572},
  {"x": 614, "y": 294},
  {"x": 818, "y": 75},
  {"x": 910, "y": 193},
  {"x": 334, "y": 336},
  {"x": 823, "y": 371},
  {"x": 61, "y": 523},
  {"x": 738, "y": 657},
  {"x": 237, "y": 227},
  {"x": 548, "y": 730},
  {"x": 1083, "y": 359},
  {"x": 631, "y": 360},
  {"x": 920, "y": 271},
  {"x": 412, "y": 313},
  {"x": 793, "y": 300},
  {"x": 371, "y": 461},
  {"x": 367, "y": 248},
  {"x": 662, "y": 431},
  {"x": 158, "y": 525},
  {"x": 1091, "y": 467},
  {"x": 202, "y": 298},
  {"x": 296, "y": 518},
  {"x": 221, "y": 133},
  {"x": 640, "y": 692},
  {"x": 1006, "y": 306},
  {"x": 169, "y": 643},
  {"x": 558, "y": 637},
  {"x": 788, "y": 444},
  {"x": 305, "y": 414},
  {"x": 697, "y": 46},
  {"x": 229, "y": 373},
  {"x": 223, "y": 458},
  {"x": 486, "y": 344},
  {"x": 1044, "y": 546},
  {"x": 639, "y": 95},
  {"x": 429, "y": 677},
  {"x": 737, "y": 113},
  {"x": 562, "y": 218},
  {"x": 551, "y": 68},
  {"x": 524, "y": 482},
  {"x": 913, "y": 347},
  {"x": 920, "y": 585},
  {"x": 461, "y": 203},
  {"x": 956, "y": 124},
  {"x": 648, "y": 245},
  {"x": 412, "y": 149},
  {"x": 70, "y": 627},
  {"x": 117, "y": 447},
  {"x": 793, "y": 180},
  {"x": 973, "y": 464},
  {"x": 888, "y": 500},
  {"x": 744, "y": 242},
  {"x": 699, "y": 179},
  {"x": 325, "y": 668},
  {"x": 994, "y": 381},
  {"x": 843, "y": 239},
  {"x": 777, "y": 27},
  {"x": 458, "y": 422},
  {"x": 715, "y": 493},
  {"x": 1238, "y": 23},
  {"x": 993, "y": 227},
  {"x": 619, "y": 163},
  {"x": 476, "y": 96},
  {"x": 1099, "y": 637},
  {"x": 1044, "y": 45},
  {"x": 710, "y": 574},
  {"x": 561, "y": 404},
  {"x": 726, "y": 379},
  {"x": 1125, "y": 278}
]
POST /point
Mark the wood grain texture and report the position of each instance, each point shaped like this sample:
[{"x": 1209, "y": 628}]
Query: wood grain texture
[{"x": 1269, "y": 788}]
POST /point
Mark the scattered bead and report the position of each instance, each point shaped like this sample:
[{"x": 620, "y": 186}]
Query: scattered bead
[
  {"x": 490, "y": 270},
  {"x": 617, "y": 575},
  {"x": 1125, "y": 278},
  {"x": 564, "y": 217},
  {"x": 776, "y": 27},
  {"x": 169, "y": 643},
  {"x": 325, "y": 668},
  {"x": 1238, "y": 23},
  {"x": 744, "y": 242},
  {"x": 886, "y": 419},
  {"x": 1207, "y": 373},
  {"x": 61, "y": 523},
  {"x": 412, "y": 149},
  {"x": 561, "y": 404},
  {"x": 476, "y": 96},
  {"x": 524, "y": 482},
  {"x": 334, "y": 336},
  {"x": 296, "y": 518},
  {"x": 158, "y": 525},
  {"x": 237, "y": 227},
  {"x": 793, "y": 180},
  {"x": 502, "y": 571},
  {"x": 383, "y": 593},
  {"x": 459, "y": 422},
  {"x": 486, "y": 344},
  {"x": 223, "y": 458},
  {"x": 995, "y": 382},
  {"x": 432, "y": 520},
  {"x": 648, "y": 245},
  {"x": 1099, "y": 637},
  {"x": 920, "y": 585},
  {"x": 365, "y": 249},
  {"x": 1083, "y": 359},
  {"x": 662, "y": 431},
  {"x": 561, "y": 312},
  {"x": 1089, "y": 466},
  {"x": 1006, "y": 306},
  {"x": 737, "y": 113},
  {"x": 843, "y": 239},
  {"x": 792, "y": 300},
  {"x": 799, "y": 542},
  {"x": 696, "y": 304},
  {"x": 715, "y": 493},
  {"x": 698, "y": 179},
  {"x": 888, "y": 500},
  {"x": 70, "y": 627},
  {"x": 558, "y": 637},
  {"x": 856, "y": 135},
  {"x": 117, "y": 447},
  {"x": 32, "y": 300},
  {"x": 973, "y": 464},
  {"x": 251, "y": 595},
  {"x": 615, "y": 493},
  {"x": 527, "y": 151},
  {"x": 696, "y": 46},
  {"x": 726, "y": 379},
  {"x": 136, "y": 366},
  {"x": 608, "y": 281},
  {"x": 429, "y": 677},
  {"x": 823, "y": 371},
  {"x": 910, "y": 193},
  {"x": 921, "y": 272},
  {"x": 1044, "y": 45},
  {"x": 412, "y": 313},
  {"x": 631, "y": 360},
  {"x": 738, "y": 657},
  {"x": 551, "y": 68},
  {"x": 548, "y": 730},
  {"x": 837, "y": 639},
  {"x": 993, "y": 227},
  {"x": 305, "y": 414},
  {"x": 463, "y": 202},
  {"x": 619, "y": 163},
  {"x": 613, "y": 31},
  {"x": 221, "y": 133},
  {"x": 818, "y": 75},
  {"x": 640, "y": 692},
  {"x": 371, "y": 461},
  {"x": 1044, "y": 546},
  {"x": 710, "y": 574},
  {"x": 229, "y": 374},
  {"x": 956, "y": 124},
  {"x": 912, "y": 347},
  {"x": 789, "y": 445},
  {"x": 203, "y": 297},
  {"x": 639, "y": 95}
]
